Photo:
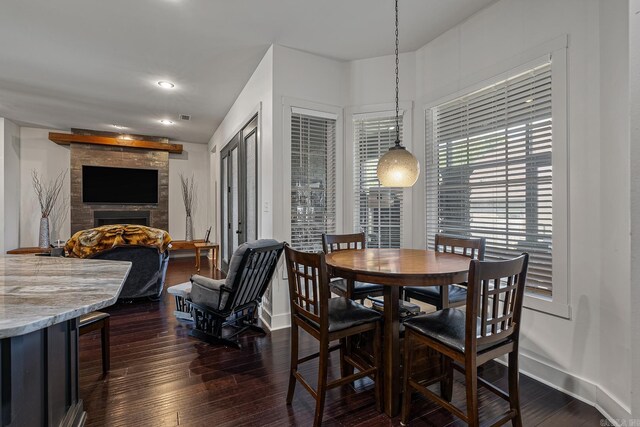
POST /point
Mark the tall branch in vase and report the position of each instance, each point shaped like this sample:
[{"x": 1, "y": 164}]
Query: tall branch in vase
[
  {"x": 47, "y": 192},
  {"x": 188, "y": 194}
]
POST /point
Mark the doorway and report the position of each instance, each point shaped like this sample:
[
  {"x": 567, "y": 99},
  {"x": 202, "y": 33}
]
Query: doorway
[{"x": 239, "y": 191}]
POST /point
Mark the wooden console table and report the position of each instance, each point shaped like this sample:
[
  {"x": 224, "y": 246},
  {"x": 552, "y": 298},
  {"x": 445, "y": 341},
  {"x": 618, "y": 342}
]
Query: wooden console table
[
  {"x": 206, "y": 246},
  {"x": 29, "y": 251},
  {"x": 197, "y": 246}
]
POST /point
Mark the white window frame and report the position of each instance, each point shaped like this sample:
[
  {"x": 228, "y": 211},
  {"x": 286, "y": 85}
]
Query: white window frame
[
  {"x": 406, "y": 109},
  {"x": 558, "y": 304},
  {"x": 321, "y": 110}
]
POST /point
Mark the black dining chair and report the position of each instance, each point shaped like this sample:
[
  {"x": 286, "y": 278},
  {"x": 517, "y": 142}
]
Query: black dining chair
[
  {"x": 487, "y": 328},
  {"x": 343, "y": 287},
  {"x": 454, "y": 295},
  {"x": 327, "y": 320}
]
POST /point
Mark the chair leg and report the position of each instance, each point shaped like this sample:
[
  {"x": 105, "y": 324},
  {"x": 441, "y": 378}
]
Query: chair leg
[
  {"x": 377, "y": 359},
  {"x": 406, "y": 390},
  {"x": 106, "y": 356},
  {"x": 471, "y": 374},
  {"x": 294, "y": 363},
  {"x": 343, "y": 349},
  {"x": 514, "y": 388},
  {"x": 322, "y": 382},
  {"x": 446, "y": 385}
]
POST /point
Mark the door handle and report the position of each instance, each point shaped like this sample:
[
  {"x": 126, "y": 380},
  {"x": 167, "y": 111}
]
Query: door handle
[{"x": 238, "y": 231}]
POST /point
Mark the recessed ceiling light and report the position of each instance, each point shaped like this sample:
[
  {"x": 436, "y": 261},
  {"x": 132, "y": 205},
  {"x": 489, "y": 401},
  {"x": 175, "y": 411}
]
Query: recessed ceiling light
[
  {"x": 166, "y": 122},
  {"x": 119, "y": 127},
  {"x": 392, "y": 127},
  {"x": 529, "y": 100},
  {"x": 166, "y": 85}
]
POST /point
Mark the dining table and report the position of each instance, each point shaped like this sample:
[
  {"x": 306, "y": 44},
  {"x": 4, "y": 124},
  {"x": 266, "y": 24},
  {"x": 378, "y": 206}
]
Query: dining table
[{"x": 394, "y": 268}]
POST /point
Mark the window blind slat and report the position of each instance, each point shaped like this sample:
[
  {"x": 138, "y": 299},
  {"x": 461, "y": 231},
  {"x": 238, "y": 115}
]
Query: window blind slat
[
  {"x": 313, "y": 201},
  {"x": 489, "y": 170},
  {"x": 377, "y": 210}
]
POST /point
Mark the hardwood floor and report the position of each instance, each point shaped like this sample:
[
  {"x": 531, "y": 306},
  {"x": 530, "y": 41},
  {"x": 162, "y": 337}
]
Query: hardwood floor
[{"x": 162, "y": 377}]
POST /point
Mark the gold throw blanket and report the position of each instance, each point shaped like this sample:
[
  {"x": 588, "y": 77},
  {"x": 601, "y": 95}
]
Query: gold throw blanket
[{"x": 86, "y": 243}]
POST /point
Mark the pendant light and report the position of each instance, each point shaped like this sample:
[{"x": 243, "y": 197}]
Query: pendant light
[{"x": 398, "y": 167}]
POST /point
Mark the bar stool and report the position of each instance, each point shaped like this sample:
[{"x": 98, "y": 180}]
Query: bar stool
[{"x": 94, "y": 321}]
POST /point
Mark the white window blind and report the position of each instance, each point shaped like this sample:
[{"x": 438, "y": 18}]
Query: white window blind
[
  {"x": 489, "y": 170},
  {"x": 377, "y": 209},
  {"x": 313, "y": 180}
]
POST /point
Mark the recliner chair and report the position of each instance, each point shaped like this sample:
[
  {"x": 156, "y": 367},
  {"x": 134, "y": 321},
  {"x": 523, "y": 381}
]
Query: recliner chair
[{"x": 232, "y": 302}]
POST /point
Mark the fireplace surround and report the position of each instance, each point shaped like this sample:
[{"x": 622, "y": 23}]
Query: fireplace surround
[{"x": 88, "y": 215}]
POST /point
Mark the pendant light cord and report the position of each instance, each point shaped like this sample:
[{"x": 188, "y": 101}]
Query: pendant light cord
[{"x": 397, "y": 82}]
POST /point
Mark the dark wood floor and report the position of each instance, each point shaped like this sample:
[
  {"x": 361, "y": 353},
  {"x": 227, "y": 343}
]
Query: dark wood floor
[{"x": 162, "y": 377}]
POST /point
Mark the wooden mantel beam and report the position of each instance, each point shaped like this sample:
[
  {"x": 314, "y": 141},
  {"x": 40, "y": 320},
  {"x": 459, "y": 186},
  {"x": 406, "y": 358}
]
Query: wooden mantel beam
[{"x": 68, "y": 138}]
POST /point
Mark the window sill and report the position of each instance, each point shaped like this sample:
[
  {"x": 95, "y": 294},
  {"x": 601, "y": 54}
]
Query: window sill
[{"x": 547, "y": 306}]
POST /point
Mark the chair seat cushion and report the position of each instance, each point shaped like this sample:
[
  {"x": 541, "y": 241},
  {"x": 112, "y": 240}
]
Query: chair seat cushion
[
  {"x": 359, "y": 288},
  {"x": 181, "y": 290},
  {"x": 206, "y": 292},
  {"x": 431, "y": 294},
  {"x": 446, "y": 326},
  {"x": 345, "y": 313},
  {"x": 90, "y": 318}
]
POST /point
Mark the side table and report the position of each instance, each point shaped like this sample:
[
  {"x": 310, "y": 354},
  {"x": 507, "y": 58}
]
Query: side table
[{"x": 206, "y": 246}]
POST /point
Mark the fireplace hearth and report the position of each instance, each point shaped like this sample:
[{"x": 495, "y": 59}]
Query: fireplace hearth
[{"x": 121, "y": 217}]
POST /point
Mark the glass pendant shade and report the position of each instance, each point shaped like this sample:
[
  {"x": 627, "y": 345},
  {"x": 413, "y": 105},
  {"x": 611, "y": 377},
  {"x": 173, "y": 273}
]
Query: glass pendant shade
[{"x": 398, "y": 168}]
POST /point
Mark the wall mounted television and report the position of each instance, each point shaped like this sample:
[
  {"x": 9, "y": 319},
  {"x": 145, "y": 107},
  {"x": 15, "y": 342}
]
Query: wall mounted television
[{"x": 119, "y": 185}]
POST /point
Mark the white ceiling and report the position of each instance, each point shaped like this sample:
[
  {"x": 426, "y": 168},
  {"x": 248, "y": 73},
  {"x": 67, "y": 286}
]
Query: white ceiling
[{"x": 94, "y": 63}]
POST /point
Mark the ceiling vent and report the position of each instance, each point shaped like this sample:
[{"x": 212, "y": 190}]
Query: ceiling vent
[{"x": 186, "y": 117}]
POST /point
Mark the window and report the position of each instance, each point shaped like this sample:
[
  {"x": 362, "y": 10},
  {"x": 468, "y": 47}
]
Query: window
[
  {"x": 377, "y": 210},
  {"x": 313, "y": 178},
  {"x": 489, "y": 170}
]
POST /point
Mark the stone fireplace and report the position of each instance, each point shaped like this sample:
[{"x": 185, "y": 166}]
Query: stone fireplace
[{"x": 88, "y": 215}]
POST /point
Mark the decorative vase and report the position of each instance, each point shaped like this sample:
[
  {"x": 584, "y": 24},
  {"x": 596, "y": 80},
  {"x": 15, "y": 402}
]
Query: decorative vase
[
  {"x": 189, "y": 228},
  {"x": 43, "y": 238}
]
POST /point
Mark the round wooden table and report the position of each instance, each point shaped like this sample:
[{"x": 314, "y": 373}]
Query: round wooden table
[{"x": 394, "y": 268}]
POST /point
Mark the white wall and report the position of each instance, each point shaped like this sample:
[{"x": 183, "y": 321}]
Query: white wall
[
  {"x": 614, "y": 303},
  {"x": 307, "y": 81},
  {"x": 255, "y": 97},
  {"x": 48, "y": 159},
  {"x": 9, "y": 185},
  {"x": 634, "y": 104},
  {"x": 194, "y": 161}
]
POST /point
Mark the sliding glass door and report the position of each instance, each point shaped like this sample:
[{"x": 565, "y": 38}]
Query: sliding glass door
[{"x": 239, "y": 195}]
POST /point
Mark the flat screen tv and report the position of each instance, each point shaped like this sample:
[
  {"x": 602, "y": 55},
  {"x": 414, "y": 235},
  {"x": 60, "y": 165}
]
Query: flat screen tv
[{"x": 119, "y": 185}]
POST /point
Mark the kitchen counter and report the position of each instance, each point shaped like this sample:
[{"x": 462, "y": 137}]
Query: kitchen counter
[
  {"x": 39, "y": 291},
  {"x": 41, "y": 298}
]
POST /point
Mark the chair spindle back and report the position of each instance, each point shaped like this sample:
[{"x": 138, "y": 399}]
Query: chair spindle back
[
  {"x": 341, "y": 242},
  {"x": 494, "y": 300},
  {"x": 472, "y": 247},
  {"x": 308, "y": 285}
]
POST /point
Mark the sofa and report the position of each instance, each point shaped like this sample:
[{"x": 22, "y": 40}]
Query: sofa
[
  {"x": 147, "y": 248},
  {"x": 147, "y": 274}
]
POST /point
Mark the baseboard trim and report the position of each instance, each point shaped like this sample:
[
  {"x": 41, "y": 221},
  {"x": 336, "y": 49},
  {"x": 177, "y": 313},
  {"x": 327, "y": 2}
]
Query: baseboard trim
[
  {"x": 614, "y": 410},
  {"x": 274, "y": 323},
  {"x": 576, "y": 387}
]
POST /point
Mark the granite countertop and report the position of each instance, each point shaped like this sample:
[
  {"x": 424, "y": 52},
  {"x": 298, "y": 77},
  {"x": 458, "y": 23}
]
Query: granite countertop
[{"x": 39, "y": 291}]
